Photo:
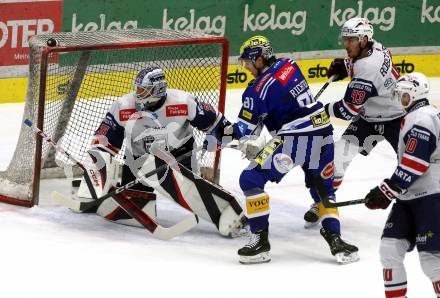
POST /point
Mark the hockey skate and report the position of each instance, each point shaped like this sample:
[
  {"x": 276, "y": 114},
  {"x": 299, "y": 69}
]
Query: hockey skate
[
  {"x": 344, "y": 253},
  {"x": 257, "y": 250},
  {"x": 311, "y": 217}
]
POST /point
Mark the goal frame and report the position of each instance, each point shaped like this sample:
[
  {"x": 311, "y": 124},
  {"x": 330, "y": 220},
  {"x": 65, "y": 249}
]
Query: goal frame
[{"x": 45, "y": 54}]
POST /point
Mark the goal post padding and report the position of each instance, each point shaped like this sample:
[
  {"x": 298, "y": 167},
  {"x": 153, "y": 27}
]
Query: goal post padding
[{"x": 73, "y": 84}]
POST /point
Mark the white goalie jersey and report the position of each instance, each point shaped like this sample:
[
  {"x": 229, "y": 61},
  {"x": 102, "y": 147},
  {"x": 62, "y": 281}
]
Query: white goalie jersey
[{"x": 170, "y": 126}]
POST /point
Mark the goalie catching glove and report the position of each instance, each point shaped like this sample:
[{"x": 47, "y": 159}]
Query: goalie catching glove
[{"x": 381, "y": 196}]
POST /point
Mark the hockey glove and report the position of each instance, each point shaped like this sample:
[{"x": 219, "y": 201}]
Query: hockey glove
[
  {"x": 337, "y": 67},
  {"x": 381, "y": 196},
  {"x": 219, "y": 135},
  {"x": 252, "y": 146}
]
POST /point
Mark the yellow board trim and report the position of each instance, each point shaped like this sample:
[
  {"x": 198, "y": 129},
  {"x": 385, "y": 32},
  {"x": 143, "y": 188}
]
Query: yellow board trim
[{"x": 14, "y": 89}]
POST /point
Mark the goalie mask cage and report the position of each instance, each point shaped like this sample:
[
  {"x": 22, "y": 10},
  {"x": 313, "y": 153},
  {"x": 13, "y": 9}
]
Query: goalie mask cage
[{"x": 73, "y": 84}]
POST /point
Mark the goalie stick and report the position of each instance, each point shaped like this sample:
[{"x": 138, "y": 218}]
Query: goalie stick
[
  {"x": 81, "y": 206},
  {"x": 128, "y": 206},
  {"x": 180, "y": 158},
  {"x": 322, "y": 193}
]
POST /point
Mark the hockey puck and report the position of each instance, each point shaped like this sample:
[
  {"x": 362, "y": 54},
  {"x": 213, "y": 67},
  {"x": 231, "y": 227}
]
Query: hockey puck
[{"x": 52, "y": 42}]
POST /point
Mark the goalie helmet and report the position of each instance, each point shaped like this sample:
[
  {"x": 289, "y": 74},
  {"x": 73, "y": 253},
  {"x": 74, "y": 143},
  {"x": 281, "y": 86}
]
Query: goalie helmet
[
  {"x": 412, "y": 86},
  {"x": 357, "y": 27},
  {"x": 151, "y": 86},
  {"x": 254, "y": 47}
]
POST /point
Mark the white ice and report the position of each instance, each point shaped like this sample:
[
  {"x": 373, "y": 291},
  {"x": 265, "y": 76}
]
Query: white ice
[{"x": 48, "y": 251}]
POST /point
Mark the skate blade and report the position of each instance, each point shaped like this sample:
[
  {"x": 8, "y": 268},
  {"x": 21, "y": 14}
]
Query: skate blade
[
  {"x": 344, "y": 258},
  {"x": 263, "y": 257}
]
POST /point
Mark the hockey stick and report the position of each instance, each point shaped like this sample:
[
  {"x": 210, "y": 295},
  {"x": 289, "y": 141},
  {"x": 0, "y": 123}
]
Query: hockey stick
[
  {"x": 331, "y": 79},
  {"x": 128, "y": 206},
  {"x": 62, "y": 151},
  {"x": 322, "y": 193},
  {"x": 81, "y": 206},
  {"x": 345, "y": 203}
]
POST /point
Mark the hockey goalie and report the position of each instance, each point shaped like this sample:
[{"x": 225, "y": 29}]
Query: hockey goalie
[{"x": 154, "y": 117}]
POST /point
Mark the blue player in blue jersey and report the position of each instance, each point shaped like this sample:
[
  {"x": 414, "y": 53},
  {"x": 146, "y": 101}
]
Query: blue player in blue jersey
[{"x": 280, "y": 99}]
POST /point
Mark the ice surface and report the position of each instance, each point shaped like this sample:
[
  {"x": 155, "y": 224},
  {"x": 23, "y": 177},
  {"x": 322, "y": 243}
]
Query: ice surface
[{"x": 48, "y": 251}]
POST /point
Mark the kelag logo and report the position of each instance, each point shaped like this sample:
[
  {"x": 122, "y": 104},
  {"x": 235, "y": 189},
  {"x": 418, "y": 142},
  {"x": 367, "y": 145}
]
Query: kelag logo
[
  {"x": 236, "y": 77},
  {"x": 318, "y": 71},
  {"x": 404, "y": 67}
]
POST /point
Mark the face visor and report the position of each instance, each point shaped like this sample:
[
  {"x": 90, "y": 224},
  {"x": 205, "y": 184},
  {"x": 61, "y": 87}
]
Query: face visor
[
  {"x": 144, "y": 97},
  {"x": 402, "y": 94}
]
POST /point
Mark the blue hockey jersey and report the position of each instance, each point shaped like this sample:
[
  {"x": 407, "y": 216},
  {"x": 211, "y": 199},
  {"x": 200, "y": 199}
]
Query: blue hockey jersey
[{"x": 281, "y": 98}]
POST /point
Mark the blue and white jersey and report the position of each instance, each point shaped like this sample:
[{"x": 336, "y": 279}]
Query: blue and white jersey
[
  {"x": 418, "y": 170},
  {"x": 282, "y": 96},
  {"x": 369, "y": 91}
]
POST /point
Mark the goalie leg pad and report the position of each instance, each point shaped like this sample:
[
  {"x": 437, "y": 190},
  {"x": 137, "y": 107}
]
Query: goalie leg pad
[
  {"x": 146, "y": 201},
  {"x": 232, "y": 224},
  {"x": 194, "y": 193},
  {"x": 102, "y": 170}
]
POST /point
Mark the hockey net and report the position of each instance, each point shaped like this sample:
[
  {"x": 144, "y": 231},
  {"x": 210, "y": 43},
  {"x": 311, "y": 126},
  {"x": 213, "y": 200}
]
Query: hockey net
[{"x": 73, "y": 84}]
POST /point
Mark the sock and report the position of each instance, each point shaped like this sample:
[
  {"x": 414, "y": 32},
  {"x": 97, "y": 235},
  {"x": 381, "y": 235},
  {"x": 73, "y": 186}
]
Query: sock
[
  {"x": 436, "y": 285},
  {"x": 395, "y": 282}
]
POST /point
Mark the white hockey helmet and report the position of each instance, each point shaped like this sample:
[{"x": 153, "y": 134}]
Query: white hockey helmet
[
  {"x": 412, "y": 86},
  {"x": 150, "y": 85},
  {"x": 357, "y": 27}
]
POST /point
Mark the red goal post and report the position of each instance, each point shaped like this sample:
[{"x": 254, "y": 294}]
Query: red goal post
[{"x": 72, "y": 84}]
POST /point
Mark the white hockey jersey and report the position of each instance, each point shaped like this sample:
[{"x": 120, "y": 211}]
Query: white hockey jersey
[
  {"x": 170, "y": 126},
  {"x": 418, "y": 171},
  {"x": 369, "y": 91}
]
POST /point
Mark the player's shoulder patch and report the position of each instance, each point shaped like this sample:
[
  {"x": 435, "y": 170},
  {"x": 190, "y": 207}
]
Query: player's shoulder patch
[
  {"x": 176, "y": 110},
  {"x": 284, "y": 74},
  {"x": 126, "y": 114}
]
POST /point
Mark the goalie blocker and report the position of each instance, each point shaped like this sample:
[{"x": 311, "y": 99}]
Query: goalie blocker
[{"x": 180, "y": 184}]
